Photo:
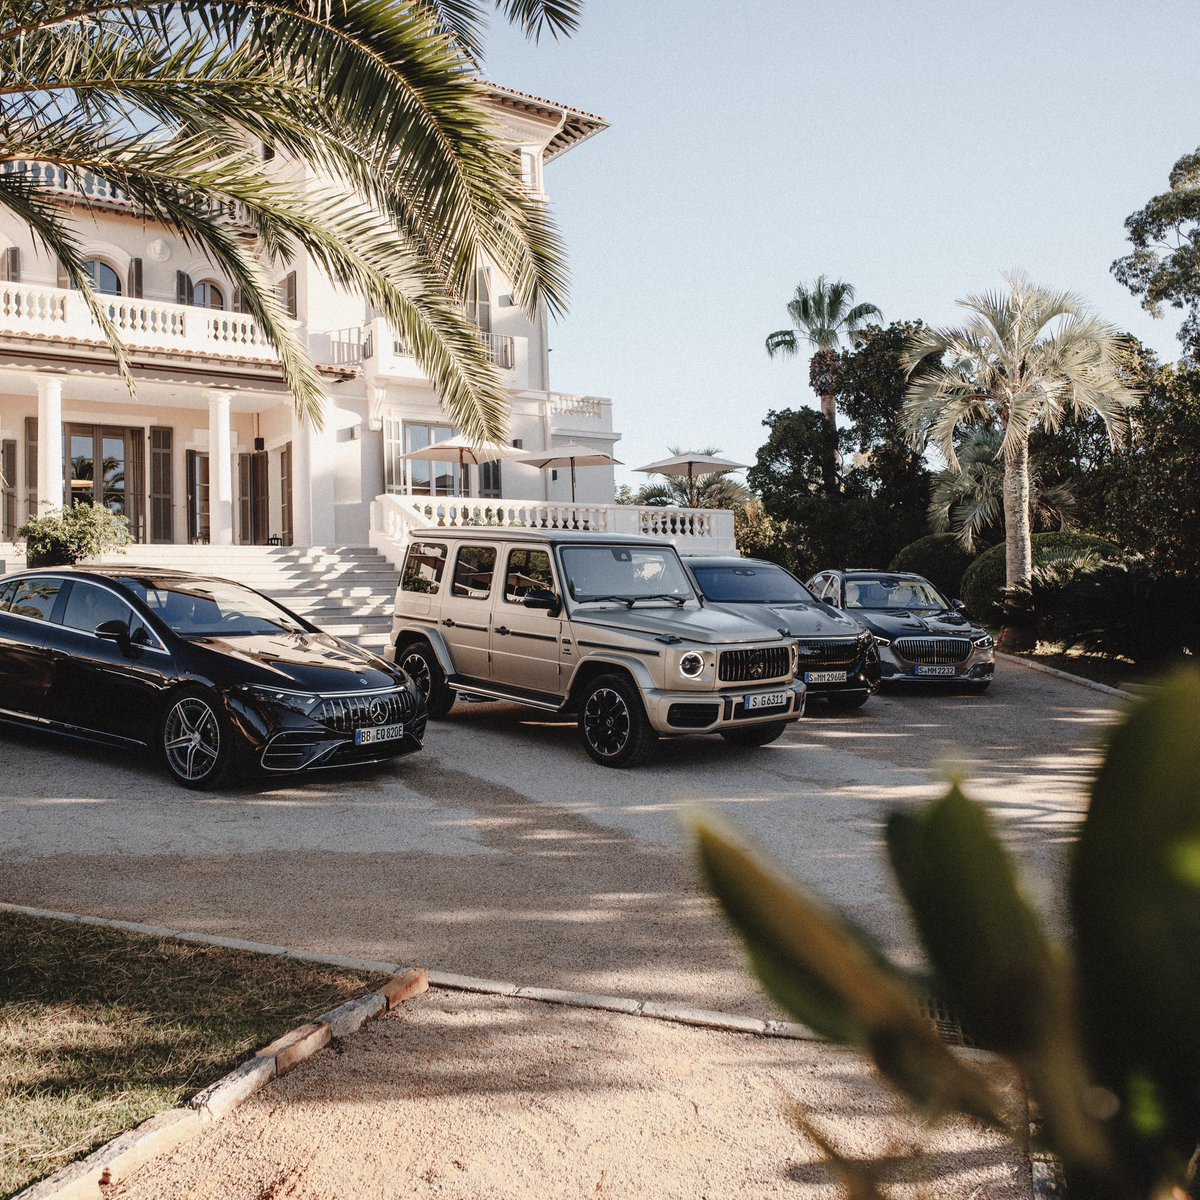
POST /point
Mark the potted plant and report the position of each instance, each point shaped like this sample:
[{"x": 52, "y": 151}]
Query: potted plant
[{"x": 61, "y": 536}]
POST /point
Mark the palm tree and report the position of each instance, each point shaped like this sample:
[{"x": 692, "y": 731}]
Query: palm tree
[
  {"x": 968, "y": 500},
  {"x": 820, "y": 316},
  {"x": 714, "y": 489},
  {"x": 1024, "y": 357},
  {"x": 408, "y": 186}
]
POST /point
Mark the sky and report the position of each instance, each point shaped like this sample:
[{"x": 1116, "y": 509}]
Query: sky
[{"x": 916, "y": 148}]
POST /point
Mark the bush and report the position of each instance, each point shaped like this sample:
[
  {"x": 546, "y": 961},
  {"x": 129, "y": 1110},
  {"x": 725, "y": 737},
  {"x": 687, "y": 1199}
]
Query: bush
[
  {"x": 940, "y": 558},
  {"x": 983, "y": 581},
  {"x": 62, "y": 536},
  {"x": 1123, "y": 609}
]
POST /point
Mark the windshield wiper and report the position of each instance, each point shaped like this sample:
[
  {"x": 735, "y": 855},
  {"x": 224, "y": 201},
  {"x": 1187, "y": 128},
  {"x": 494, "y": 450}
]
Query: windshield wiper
[
  {"x": 680, "y": 600},
  {"x": 625, "y": 600}
]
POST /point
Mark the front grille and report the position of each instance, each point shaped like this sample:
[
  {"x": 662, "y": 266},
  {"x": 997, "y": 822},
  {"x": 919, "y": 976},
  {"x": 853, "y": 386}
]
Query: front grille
[
  {"x": 753, "y": 666},
  {"x": 345, "y": 714},
  {"x": 817, "y": 654},
  {"x": 936, "y": 651}
]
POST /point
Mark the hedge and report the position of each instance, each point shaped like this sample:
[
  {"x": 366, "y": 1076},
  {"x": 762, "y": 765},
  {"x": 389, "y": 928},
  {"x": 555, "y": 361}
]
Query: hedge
[
  {"x": 983, "y": 582},
  {"x": 940, "y": 558}
]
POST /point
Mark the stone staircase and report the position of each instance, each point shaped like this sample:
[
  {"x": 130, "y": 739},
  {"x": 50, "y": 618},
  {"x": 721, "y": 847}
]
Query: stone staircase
[{"x": 348, "y": 591}]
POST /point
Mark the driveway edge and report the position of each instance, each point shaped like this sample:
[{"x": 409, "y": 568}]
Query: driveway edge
[{"x": 1079, "y": 679}]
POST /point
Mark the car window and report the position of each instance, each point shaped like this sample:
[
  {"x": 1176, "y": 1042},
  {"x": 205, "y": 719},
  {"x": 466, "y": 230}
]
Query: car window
[
  {"x": 528, "y": 570},
  {"x": 423, "y": 567},
  {"x": 750, "y": 583},
  {"x": 34, "y": 598},
  {"x": 473, "y": 571},
  {"x": 6, "y": 592},
  {"x": 88, "y": 606},
  {"x": 211, "y": 607},
  {"x": 888, "y": 591},
  {"x": 625, "y": 573}
]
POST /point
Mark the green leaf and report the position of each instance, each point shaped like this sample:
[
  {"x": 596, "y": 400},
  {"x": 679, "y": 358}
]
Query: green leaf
[
  {"x": 1136, "y": 908},
  {"x": 833, "y": 980}
]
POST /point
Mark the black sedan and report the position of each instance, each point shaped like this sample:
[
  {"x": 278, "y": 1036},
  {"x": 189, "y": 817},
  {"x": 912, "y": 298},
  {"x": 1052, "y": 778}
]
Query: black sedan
[
  {"x": 838, "y": 660},
  {"x": 217, "y": 678},
  {"x": 922, "y": 636}
]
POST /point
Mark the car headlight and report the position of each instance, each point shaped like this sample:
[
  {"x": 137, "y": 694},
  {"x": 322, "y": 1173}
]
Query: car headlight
[
  {"x": 305, "y": 703},
  {"x": 983, "y": 641},
  {"x": 794, "y": 656},
  {"x": 691, "y": 665}
]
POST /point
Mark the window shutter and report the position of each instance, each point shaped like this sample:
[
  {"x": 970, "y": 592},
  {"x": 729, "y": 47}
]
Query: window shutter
[
  {"x": 135, "y": 278},
  {"x": 64, "y": 280},
  {"x": 290, "y": 298},
  {"x": 183, "y": 288},
  {"x": 12, "y": 264}
]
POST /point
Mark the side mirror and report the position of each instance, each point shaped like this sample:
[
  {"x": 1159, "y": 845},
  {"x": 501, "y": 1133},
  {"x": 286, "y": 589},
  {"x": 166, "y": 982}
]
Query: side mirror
[
  {"x": 543, "y": 598},
  {"x": 958, "y": 606},
  {"x": 115, "y": 631}
]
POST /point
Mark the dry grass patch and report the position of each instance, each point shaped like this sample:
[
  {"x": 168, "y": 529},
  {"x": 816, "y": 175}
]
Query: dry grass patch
[{"x": 100, "y": 1029}]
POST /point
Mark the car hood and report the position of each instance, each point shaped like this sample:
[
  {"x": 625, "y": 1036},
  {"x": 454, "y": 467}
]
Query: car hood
[
  {"x": 900, "y": 622},
  {"x": 311, "y": 662},
  {"x": 706, "y": 626},
  {"x": 798, "y": 620}
]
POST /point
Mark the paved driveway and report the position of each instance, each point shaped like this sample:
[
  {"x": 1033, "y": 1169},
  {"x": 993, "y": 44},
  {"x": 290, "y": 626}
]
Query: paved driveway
[{"x": 503, "y": 851}]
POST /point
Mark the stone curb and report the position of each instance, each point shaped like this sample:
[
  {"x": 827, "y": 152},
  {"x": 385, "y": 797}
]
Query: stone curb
[
  {"x": 1079, "y": 679},
  {"x": 115, "y": 1160}
]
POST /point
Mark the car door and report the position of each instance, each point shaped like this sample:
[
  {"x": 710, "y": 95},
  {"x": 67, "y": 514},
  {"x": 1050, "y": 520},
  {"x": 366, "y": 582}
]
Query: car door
[
  {"x": 466, "y": 616},
  {"x": 96, "y": 684},
  {"x": 25, "y": 667},
  {"x": 526, "y": 642}
]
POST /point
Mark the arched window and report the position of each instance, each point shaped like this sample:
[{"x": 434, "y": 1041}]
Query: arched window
[
  {"x": 207, "y": 295},
  {"x": 104, "y": 278}
]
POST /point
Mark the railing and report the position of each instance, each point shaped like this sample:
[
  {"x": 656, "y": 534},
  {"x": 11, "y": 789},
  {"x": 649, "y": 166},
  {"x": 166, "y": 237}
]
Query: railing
[
  {"x": 498, "y": 346},
  {"x": 88, "y": 188},
  {"x": 347, "y": 347},
  {"x": 587, "y": 407},
  {"x": 395, "y": 518},
  {"x": 27, "y": 310}
]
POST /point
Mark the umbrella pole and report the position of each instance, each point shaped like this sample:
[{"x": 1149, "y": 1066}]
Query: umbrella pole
[
  {"x": 572, "y": 481},
  {"x": 691, "y": 489}
]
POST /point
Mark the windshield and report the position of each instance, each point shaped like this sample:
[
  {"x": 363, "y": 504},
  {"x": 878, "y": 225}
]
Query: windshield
[
  {"x": 751, "y": 583},
  {"x": 624, "y": 573},
  {"x": 886, "y": 591},
  {"x": 211, "y": 608}
]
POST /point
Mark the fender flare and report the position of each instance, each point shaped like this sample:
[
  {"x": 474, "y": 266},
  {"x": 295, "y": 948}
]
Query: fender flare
[
  {"x": 426, "y": 633},
  {"x": 631, "y": 664}
]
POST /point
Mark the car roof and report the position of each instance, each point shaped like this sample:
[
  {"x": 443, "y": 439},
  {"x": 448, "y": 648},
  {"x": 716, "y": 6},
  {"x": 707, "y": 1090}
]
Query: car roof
[
  {"x": 860, "y": 572},
  {"x": 116, "y": 573},
  {"x": 726, "y": 560},
  {"x": 551, "y": 537}
]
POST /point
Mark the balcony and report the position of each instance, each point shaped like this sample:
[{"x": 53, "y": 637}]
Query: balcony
[
  {"x": 60, "y": 315},
  {"x": 391, "y": 354},
  {"x": 692, "y": 530}
]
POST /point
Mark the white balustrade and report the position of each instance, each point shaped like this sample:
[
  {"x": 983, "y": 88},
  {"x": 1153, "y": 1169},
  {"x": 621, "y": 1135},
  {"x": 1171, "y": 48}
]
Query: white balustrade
[
  {"x": 589, "y": 408},
  {"x": 394, "y": 519}
]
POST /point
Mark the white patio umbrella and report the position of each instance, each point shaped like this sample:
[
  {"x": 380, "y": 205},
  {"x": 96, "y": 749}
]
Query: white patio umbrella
[
  {"x": 571, "y": 455},
  {"x": 460, "y": 449},
  {"x": 691, "y": 464}
]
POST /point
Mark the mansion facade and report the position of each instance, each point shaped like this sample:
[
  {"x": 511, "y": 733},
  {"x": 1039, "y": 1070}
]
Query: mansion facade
[{"x": 210, "y": 449}]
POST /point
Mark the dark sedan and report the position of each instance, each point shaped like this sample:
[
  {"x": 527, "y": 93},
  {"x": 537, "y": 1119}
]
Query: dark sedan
[
  {"x": 217, "y": 678},
  {"x": 922, "y": 636},
  {"x": 838, "y": 660}
]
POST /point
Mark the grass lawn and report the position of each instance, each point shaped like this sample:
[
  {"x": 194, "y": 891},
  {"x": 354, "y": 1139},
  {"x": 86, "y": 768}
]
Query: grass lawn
[{"x": 100, "y": 1029}]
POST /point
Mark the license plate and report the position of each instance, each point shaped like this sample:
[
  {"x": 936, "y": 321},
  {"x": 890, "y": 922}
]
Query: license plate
[
  {"x": 824, "y": 676},
  {"x": 934, "y": 670},
  {"x": 378, "y": 733},
  {"x": 766, "y": 700}
]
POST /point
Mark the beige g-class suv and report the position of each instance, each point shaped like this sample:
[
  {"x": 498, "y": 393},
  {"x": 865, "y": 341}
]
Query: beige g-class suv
[{"x": 605, "y": 627}]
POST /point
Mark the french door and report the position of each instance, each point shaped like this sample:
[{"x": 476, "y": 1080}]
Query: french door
[{"x": 106, "y": 466}]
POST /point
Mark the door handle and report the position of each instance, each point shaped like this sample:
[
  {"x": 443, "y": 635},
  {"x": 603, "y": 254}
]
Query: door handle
[
  {"x": 449, "y": 622},
  {"x": 502, "y": 630}
]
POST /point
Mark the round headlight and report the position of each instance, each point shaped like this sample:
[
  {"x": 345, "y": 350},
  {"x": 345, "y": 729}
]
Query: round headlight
[{"x": 691, "y": 664}]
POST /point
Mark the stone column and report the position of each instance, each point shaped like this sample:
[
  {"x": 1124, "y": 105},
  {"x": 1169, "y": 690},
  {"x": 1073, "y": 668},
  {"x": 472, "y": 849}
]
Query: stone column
[
  {"x": 220, "y": 470},
  {"x": 313, "y": 490},
  {"x": 50, "y": 483}
]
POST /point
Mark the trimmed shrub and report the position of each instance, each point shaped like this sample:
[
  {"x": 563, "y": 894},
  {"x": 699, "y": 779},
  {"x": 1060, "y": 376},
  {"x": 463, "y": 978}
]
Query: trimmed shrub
[
  {"x": 940, "y": 558},
  {"x": 983, "y": 581},
  {"x": 61, "y": 536}
]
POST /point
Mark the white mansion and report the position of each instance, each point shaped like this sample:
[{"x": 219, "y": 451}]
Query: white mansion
[{"x": 210, "y": 450}]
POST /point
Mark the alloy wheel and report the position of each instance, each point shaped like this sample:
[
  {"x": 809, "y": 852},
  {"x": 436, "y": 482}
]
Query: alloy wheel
[
  {"x": 417, "y": 669},
  {"x": 606, "y": 721},
  {"x": 192, "y": 738}
]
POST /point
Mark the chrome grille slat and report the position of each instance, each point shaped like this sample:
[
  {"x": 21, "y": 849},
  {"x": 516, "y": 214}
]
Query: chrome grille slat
[
  {"x": 947, "y": 651},
  {"x": 756, "y": 665},
  {"x": 821, "y": 653}
]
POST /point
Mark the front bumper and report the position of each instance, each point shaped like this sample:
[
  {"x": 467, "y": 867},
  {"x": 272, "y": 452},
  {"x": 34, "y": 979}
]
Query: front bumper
[
  {"x": 710, "y": 712},
  {"x": 978, "y": 667},
  {"x": 861, "y": 676},
  {"x": 280, "y": 740}
]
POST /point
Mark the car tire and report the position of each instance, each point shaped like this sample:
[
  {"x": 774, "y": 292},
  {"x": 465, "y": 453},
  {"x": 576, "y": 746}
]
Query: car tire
[
  {"x": 420, "y": 664},
  {"x": 755, "y": 735},
  {"x": 613, "y": 725},
  {"x": 844, "y": 701},
  {"x": 195, "y": 739}
]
